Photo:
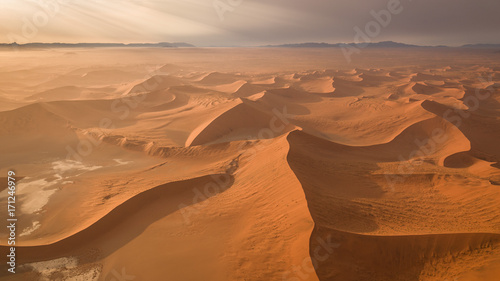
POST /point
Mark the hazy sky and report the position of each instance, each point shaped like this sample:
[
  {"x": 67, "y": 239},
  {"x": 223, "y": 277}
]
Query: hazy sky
[{"x": 247, "y": 22}]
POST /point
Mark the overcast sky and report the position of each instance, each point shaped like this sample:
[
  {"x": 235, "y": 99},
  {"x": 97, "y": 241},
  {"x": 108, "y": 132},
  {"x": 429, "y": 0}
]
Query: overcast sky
[{"x": 247, "y": 22}]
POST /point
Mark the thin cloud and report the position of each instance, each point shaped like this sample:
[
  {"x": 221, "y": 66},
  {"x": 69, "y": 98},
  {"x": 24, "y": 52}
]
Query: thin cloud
[{"x": 251, "y": 22}]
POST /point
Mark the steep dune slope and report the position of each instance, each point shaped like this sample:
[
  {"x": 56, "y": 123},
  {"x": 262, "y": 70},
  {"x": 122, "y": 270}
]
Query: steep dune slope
[
  {"x": 219, "y": 216},
  {"x": 348, "y": 195}
]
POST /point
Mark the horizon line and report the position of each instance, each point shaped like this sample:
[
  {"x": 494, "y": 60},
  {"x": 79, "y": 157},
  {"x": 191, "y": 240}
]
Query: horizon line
[{"x": 326, "y": 44}]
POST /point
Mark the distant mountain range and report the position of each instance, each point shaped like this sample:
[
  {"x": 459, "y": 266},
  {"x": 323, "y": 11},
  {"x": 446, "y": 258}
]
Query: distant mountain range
[
  {"x": 97, "y": 45},
  {"x": 481, "y": 46},
  {"x": 384, "y": 44}
]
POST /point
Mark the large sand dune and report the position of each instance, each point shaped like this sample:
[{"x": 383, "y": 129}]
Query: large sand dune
[{"x": 177, "y": 165}]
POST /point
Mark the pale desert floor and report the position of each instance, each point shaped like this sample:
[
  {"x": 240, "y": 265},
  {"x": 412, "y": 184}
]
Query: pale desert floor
[{"x": 252, "y": 164}]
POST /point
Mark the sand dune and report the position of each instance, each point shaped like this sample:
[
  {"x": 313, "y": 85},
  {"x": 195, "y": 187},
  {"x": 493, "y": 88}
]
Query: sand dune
[
  {"x": 62, "y": 93},
  {"x": 157, "y": 82},
  {"x": 425, "y": 257},
  {"x": 29, "y": 119},
  {"x": 482, "y": 137},
  {"x": 177, "y": 165},
  {"x": 217, "y": 78},
  {"x": 236, "y": 124},
  {"x": 167, "y": 196},
  {"x": 319, "y": 85}
]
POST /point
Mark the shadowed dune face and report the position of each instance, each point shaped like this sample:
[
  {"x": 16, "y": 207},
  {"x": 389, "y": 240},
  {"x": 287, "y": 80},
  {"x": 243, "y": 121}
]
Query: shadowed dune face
[
  {"x": 179, "y": 165},
  {"x": 352, "y": 207},
  {"x": 425, "y": 257}
]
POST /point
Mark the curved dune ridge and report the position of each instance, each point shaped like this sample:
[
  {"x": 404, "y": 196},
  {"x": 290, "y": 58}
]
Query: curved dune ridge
[
  {"x": 191, "y": 172},
  {"x": 240, "y": 122},
  {"x": 158, "y": 201},
  {"x": 354, "y": 201},
  {"x": 317, "y": 85}
]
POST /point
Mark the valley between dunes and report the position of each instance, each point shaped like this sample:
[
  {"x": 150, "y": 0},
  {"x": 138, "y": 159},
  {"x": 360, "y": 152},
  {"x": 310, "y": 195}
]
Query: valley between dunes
[{"x": 252, "y": 164}]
